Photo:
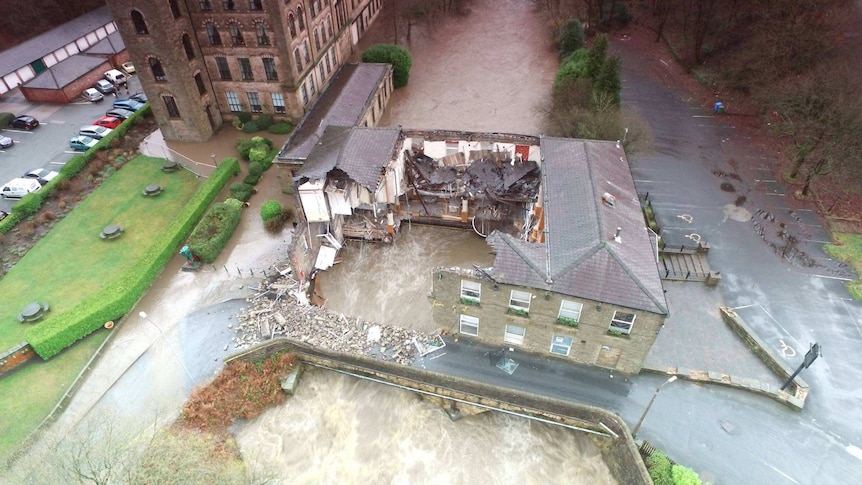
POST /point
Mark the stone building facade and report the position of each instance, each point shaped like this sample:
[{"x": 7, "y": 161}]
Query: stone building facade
[{"x": 202, "y": 62}]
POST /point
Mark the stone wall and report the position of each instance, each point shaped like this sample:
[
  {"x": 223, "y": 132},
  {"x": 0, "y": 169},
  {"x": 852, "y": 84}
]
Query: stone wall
[
  {"x": 592, "y": 344},
  {"x": 13, "y": 358},
  {"x": 617, "y": 446}
]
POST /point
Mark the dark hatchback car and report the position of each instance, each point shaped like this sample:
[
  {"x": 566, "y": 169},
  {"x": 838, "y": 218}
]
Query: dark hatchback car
[
  {"x": 139, "y": 97},
  {"x": 123, "y": 114},
  {"x": 25, "y": 122}
]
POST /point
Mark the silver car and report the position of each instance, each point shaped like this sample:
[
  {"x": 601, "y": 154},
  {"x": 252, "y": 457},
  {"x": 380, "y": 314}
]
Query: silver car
[
  {"x": 6, "y": 142},
  {"x": 95, "y": 131}
]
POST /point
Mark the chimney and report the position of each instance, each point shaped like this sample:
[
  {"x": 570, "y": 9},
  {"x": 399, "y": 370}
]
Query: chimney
[{"x": 617, "y": 235}]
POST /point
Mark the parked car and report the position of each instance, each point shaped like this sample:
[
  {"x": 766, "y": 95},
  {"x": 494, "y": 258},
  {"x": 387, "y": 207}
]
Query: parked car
[
  {"x": 128, "y": 67},
  {"x": 123, "y": 114},
  {"x": 108, "y": 122},
  {"x": 6, "y": 142},
  {"x": 17, "y": 188},
  {"x": 129, "y": 104},
  {"x": 116, "y": 77},
  {"x": 104, "y": 86},
  {"x": 92, "y": 95},
  {"x": 3, "y": 215},
  {"x": 82, "y": 143},
  {"x": 139, "y": 97},
  {"x": 93, "y": 131},
  {"x": 24, "y": 121},
  {"x": 41, "y": 175}
]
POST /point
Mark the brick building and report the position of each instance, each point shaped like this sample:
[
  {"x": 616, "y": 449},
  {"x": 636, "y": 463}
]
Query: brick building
[{"x": 201, "y": 62}]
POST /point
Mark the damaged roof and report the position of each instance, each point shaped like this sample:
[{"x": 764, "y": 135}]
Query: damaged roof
[
  {"x": 362, "y": 153},
  {"x": 341, "y": 104},
  {"x": 581, "y": 257}
]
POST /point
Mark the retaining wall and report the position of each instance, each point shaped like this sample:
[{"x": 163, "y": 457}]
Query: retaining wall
[{"x": 15, "y": 357}]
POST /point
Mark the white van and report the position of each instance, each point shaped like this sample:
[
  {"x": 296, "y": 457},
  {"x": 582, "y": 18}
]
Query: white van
[
  {"x": 116, "y": 77},
  {"x": 17, "y": 188}
]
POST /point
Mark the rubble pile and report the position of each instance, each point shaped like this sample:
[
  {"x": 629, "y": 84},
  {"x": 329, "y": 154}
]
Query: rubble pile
[{"x": 280, "y": 309}]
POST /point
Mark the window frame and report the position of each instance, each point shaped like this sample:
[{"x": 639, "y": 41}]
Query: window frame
[
  {"x": 260, "y": 33},
  {"x": 621, "y": 325},
  {"x": 513, "y": 300},
  {"x": 187, "y": 46},
  {"x": 229, "y": 5},
  {"x": 175, "y": 9},
  {"x": 304, "y": 93},
  {"x": 245, "y": 71},
  {"x": 466, "y": 290},
  {"x": 255, "y": 5},
  {"x": 138, "y": 21},
  {"x": 514, "y": 338},
  {"x": 171, "y": 106},
  {"x": 206, "y": 5},
  {"x": 233, "y": 101},
  {"x": 224, "y": 74},
  {"x": 278, "y": 102},
  {"x": 269, "y": 68},
  {"x": 156, "y": 68},
  {"x": 236, "y": 37},
  {"x": 199, "y": 82},
  {"x": 569, "y": 312},
  {"x": 291, "y": 25},
  {"x": 559, "y": 342},
  {"x": 297, "y": 57},
  {"x": 469, "y": 321},
  {"x": 212, "y": 33}
]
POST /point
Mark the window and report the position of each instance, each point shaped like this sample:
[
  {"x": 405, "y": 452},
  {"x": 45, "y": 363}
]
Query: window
[
  {"x": 622, "y": 322},
  {"x": 520, "y": 300},
  {"x": 260, "y": 30},
  {"x": 174, "y": 8},
  {"x": 514, "y": 335},
  {"x": 245, "y": 69},
  {"x": 206, "y": 5},
  {"x": 298, "y": 58},
  {"x": 233, "y": 101},
  {"x": 158, "y": 71},
  {"x": 311, "y": 83},
  {"x": 329, "y": 25},
  {"x": 305, "y": 51},
  {"x": 229, "y": 5},
  {"x": 316, "y": 39},
  {"x": 140, "y": 25},
  {"x": 327, "y": 64},
  {"x": 254, "y": 102},
  {"x": 471, "y": 290},
  {"x": 313, "y": 11},
  {"x": 291, "y": 25},
  {"x": 255, "y": 5},
  {"x": 469, "y": 325},
  {"x": 322, "y": 72},
  {"x": 277, "y": 102},
  {"x": 212, "y": 34},
  {"x": 236, "y": 34},
  {"x": 187, "y": 45},
  {"x": 299, "y": 19},
  {"x": 304, "y": 94},
  {"x": 269, "y": 67},
  {"x": 200, "y": 83},
  {"x": 316, "y": 3},
  {"x": 561, "y": 345},
  {"x": 570, "y": 310},
  {"x": 171, "y": 105},
  {"x": 223, "y": 69}
]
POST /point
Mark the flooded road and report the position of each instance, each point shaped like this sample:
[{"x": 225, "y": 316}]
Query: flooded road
[{"x": 338, "y": 429}]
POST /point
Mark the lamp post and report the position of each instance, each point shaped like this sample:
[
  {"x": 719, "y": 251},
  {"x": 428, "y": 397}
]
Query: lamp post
[
  {"x": 641, "y": 420},
  {"x": 145, "y": 317}
]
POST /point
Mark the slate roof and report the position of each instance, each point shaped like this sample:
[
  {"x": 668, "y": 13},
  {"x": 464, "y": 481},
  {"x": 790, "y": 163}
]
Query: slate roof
[
  {"x": 30, "y": 50},
  {"x": 362, "y": 153},
  {"x": 580, "y": 257},
  {"x": 65, "y": 72},
  {"x": 110, "y": 45},
  {"x": 342, "y": 104}
]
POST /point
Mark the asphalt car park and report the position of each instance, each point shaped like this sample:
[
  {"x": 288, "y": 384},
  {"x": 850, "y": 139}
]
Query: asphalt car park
[{"x": 46, "y": 146}]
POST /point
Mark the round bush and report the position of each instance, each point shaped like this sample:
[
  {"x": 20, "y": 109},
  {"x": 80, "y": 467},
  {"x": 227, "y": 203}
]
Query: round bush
[
  {"x": 391, "y": 54},
  {"x": 244, "y": 116},
  {"x": 241, "y": 191},
  {"x": 249, "y": 127},
  {"x": 254, "y": 168},
  {"x": 281, "y": 128},
  {"x": 251, "y": 179},
  {"x": 264, "y": 121},
  {"x": 270, "y": 209}
]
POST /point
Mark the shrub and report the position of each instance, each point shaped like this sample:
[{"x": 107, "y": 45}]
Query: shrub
[
  {"x": 54, "y": 335},
  {"x": 609, "y": 80},
  {"x": 596, "y": 58},
  {"x": 574, "y": 67},
  {"x": 684, "y": 476},
  {"x": 241, "y": 191},
  {"x": 391, "y": 54},
  {"x": 215, "y": 229},
  {"x": 251, "y": 179},
  {"x": 249, "y": 127},
  {"x": 254, "y": 168},
  {"x": 28, "y": 205},
  {"x": 258, "y": 155},
  {"x": 570, "y": 38},
  {"x": 243, "y": 117},
  {"x": 5, "y": 118},
  {"x": 659, "y": 467},
  {"x": 245, "y": 146},
  {"x": 270, "y": 209},
  {"x": 283, "y": 127},
  {"x": 264, "y": 121}
]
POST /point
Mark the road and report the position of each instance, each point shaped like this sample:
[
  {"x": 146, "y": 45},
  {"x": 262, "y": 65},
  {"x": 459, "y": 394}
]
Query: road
[
  {"x": 708, "y": 180},
  {"x": 48, "y": 145}
]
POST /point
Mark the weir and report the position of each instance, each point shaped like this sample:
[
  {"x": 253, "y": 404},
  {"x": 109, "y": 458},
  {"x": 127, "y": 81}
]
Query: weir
[{"x": 607, "y": 430}]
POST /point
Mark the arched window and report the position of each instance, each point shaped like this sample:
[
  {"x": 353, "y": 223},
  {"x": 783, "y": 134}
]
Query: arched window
[
  {"x": 305, "y": 51},
  {"x": 212, "y": 34},
  {"x": 262, "y": 37},
  {"x": 158, "y": 71},
  {"x": 174, "y": 8},
  {"x": 291, "y": 24},
  {"x": 236, "y": 34},
  {"x": 187, "y": 45},
  {"x": 300, "y": 19},
  {"x": 140, "y": 25},
  {"x": 316, "y": 40},
  {"x": 298, "y": 58}
]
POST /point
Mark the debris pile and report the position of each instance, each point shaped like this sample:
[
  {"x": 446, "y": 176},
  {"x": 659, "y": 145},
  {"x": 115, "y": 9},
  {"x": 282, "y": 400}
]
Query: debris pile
[{"x": 280, "y": 309}]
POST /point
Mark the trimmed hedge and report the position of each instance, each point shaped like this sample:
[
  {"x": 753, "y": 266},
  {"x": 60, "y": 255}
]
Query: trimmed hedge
[
  {"x": 215, "y": 229},
  {"x": 54, "y": 335},
  {"x": 283, "y": 127},
  {"x": 241, "y": 191},
  {"x": 393, "y": 54},
  {"x": 251, "y": 179},
  {"x": 31, "y": 203}
]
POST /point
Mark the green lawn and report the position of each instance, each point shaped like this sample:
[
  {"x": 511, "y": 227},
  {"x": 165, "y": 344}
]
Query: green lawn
[
  {"x": 69, "y": 264},
  {"x": 72, "y": 262},
  {"x": 849, "y": 249}
]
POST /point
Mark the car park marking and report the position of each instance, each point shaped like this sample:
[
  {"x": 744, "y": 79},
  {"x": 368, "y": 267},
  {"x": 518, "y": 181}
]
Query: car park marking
[
  {"x": 786, "y": 350},
  {"x": 694, "y": 237},
  {"x": 18, "y": 131},
  {"x": 686, "y": 217},
  {"x": 62, "y": 163}
]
